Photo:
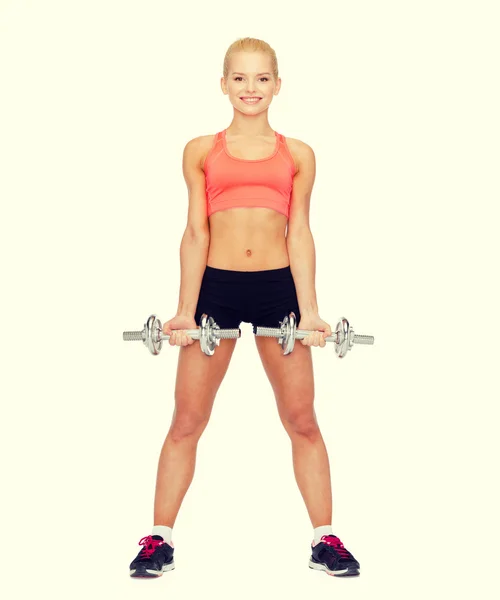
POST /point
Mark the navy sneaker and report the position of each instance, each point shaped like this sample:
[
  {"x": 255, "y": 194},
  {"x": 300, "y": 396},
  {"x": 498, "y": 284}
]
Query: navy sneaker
[
  {"x": 329, "y": 555},
  {"x": 155, "y": 558}
]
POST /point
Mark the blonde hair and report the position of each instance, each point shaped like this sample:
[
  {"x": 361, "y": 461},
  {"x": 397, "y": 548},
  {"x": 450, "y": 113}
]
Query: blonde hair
[{"x": 249, "y": 44}]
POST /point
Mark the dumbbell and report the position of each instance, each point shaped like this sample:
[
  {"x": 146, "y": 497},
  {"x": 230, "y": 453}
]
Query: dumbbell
[
  {"x": 343, "y": 336},
  {"x": 209, "y": 334}
]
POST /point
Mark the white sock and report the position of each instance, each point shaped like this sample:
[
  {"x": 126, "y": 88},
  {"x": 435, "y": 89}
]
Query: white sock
[
  {"x": 165, "y": 532},
  {"x": 322, "y": 530}
]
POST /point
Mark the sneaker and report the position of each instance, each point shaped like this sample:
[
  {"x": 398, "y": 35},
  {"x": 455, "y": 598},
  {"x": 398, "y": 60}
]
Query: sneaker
[
  {"x": 330, "y": 555},
  {"x": 155, "y": 558}
]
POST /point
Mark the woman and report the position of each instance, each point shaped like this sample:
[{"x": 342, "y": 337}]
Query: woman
[{"x": 246, "y": 184}]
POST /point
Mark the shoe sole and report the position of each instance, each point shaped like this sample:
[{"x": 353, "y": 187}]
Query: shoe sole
[
  {"x": 151, "y": 572},
  {"x": 348, "y": 572}
]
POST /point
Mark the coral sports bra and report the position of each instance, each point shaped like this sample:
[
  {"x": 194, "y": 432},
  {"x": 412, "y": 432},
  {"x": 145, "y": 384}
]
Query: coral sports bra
[{"x": 234, "y": 182}]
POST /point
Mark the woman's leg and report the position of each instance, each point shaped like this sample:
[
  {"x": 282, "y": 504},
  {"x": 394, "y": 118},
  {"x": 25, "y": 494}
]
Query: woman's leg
[
  {"x": 291, "y": 377},
  {"x": 198, "y": 379},
  {"x": 292, "y": 380}
]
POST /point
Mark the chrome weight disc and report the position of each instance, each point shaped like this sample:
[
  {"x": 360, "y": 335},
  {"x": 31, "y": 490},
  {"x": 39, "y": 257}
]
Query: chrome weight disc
[
  {"x": 208, "y": 340},
  {"x": 152, "y": 331},
  {"x": 287, "y": 337},
  {"x": 345, "y": 337}
]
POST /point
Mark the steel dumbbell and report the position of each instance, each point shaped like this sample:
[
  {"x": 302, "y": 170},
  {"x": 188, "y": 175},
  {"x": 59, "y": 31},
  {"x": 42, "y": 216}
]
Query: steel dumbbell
[
  {"x": 209, "y": 334},
  {"x": 343, "y": 337}
]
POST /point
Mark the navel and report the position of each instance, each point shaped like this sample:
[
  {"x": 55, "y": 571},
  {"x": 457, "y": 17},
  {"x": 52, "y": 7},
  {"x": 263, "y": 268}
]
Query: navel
[{"x": 249, "y": 252}]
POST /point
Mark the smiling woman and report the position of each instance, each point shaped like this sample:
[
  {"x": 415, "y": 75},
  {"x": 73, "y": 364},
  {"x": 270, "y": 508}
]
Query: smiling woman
[{"x": 247, "y": 255}]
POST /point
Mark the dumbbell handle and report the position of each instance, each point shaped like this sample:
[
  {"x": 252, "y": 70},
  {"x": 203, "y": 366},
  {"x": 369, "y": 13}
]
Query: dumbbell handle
[
  {"x": 300, "y": 334},
  {"x": 140, "y": 336}
]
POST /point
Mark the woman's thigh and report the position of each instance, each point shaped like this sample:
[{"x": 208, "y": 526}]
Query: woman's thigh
[
  {"x": 292, "y": 380},
  {"x": 198, "y": 379}
]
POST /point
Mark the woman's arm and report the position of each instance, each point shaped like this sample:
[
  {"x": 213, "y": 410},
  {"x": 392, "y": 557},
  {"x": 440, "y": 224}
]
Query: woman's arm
[
  {"x": 196, "y": 239},
  {"x": 299, "y": 240}
]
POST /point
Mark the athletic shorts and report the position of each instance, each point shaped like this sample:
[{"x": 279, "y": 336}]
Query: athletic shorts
[{"x": 262, "y": 298}]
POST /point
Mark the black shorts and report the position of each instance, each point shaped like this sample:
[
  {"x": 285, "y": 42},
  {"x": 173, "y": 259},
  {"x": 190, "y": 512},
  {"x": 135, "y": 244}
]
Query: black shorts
[{"x": 262, "y": 298}]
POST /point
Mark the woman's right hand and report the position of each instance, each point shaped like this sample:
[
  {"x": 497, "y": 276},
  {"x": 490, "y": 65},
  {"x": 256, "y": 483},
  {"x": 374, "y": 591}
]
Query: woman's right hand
[{"x": 176, "y": 329}]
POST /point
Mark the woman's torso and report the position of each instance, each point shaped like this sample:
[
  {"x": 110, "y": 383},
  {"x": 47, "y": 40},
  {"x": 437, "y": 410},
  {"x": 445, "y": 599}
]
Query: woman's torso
[{"x": 247, "y": 238}]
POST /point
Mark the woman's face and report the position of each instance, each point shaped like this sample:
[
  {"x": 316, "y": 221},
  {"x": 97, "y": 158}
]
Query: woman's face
[{"x": 250, "y": 75}]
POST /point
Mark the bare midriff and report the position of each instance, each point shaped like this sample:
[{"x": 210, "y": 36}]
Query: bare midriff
[{"x": 247, "y": 238}]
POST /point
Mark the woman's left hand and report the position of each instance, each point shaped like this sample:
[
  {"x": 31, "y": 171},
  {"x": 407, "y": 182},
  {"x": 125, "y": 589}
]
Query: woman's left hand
[{"x": 320, "y": 330}]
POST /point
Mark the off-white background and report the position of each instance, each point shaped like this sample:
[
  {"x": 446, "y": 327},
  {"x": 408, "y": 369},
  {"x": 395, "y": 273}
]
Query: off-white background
[{"x": 399, "y": 101}]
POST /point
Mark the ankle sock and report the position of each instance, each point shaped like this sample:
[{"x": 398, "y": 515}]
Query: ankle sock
[
  {"x": 165, "y": 532},
  {"x": 322, "y": 530}
]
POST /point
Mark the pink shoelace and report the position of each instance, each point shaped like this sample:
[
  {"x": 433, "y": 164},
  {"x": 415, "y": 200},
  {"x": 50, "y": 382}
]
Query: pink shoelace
[
  {"x": 333, "y": 540},
  {"x": 150, "y": 546}
]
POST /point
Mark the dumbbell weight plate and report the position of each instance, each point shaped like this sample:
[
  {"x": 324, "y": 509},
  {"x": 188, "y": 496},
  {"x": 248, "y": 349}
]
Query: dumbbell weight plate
[
  {"x": 153, "y": 328},
  {"x": 345, "y": 337},
  {"x": 288, "y": 327},
  {"x": 208, "y": 341}
]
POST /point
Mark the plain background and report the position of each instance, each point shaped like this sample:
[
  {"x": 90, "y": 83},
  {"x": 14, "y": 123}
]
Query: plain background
[{"x": 399, "y": 101}]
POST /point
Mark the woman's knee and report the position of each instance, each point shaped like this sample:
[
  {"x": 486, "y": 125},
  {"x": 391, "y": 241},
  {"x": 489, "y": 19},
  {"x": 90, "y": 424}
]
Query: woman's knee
[
  {"x": 188, "y": 424},
  {"x": 301, "y": 422}
]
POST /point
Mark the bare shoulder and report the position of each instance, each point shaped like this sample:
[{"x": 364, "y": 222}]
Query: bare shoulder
[
  {"x": 301, "y": 152},
  {"x": 197, "y": 149}
]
